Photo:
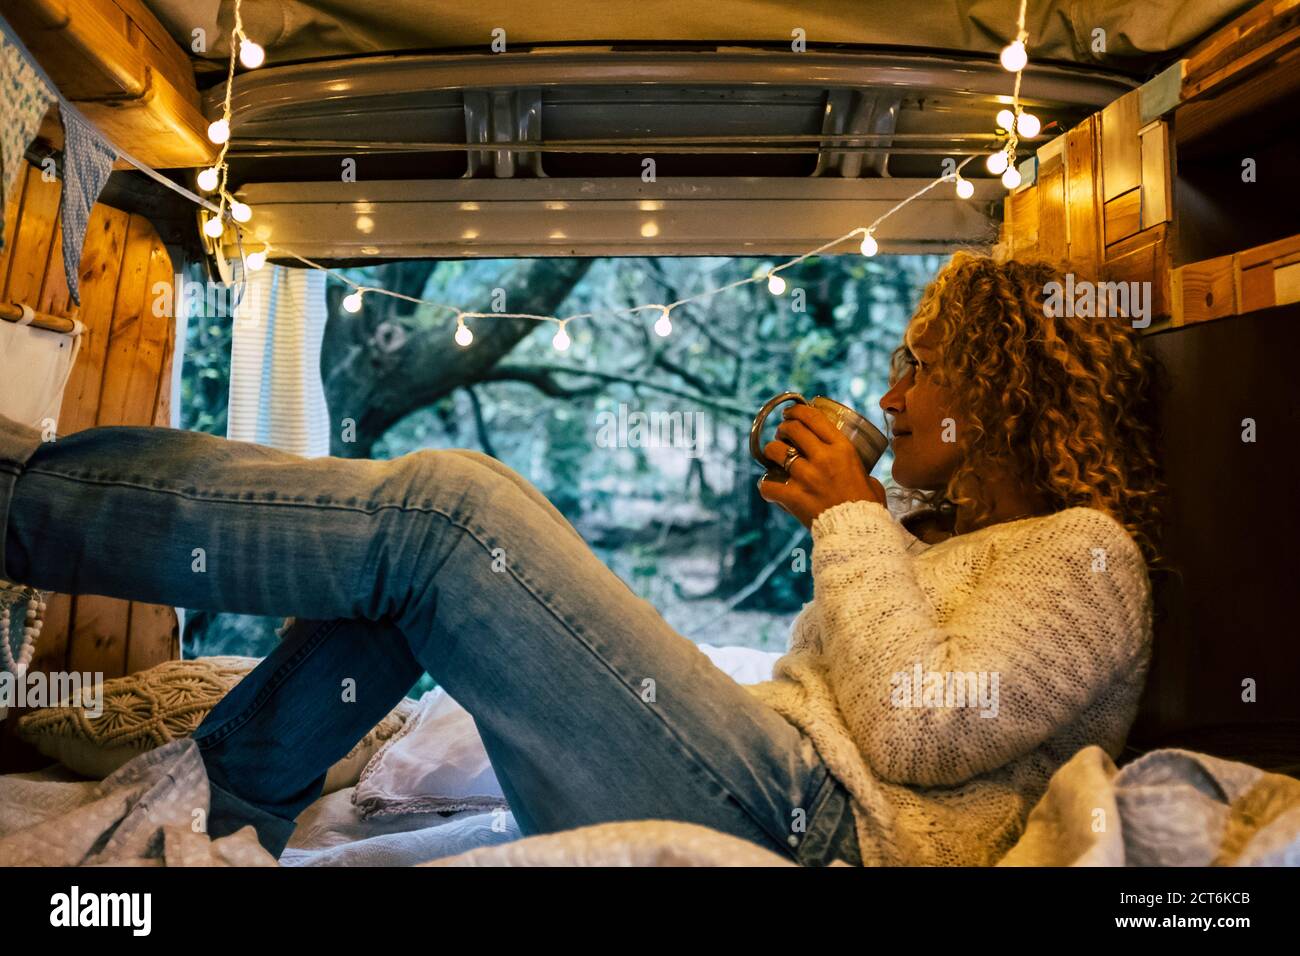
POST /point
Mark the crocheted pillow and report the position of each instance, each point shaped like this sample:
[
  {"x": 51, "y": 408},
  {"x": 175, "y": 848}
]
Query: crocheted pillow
[{"x": 147, "y": 709}]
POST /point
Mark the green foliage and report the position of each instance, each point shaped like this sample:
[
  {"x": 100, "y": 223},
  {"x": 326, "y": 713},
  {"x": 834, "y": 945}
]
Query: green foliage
[{"x": 657, "y": 519}]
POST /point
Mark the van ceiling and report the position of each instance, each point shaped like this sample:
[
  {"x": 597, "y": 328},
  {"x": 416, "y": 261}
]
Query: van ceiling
[
  {"x": 292, "y": 30},
  {"x": 541, "y": 150}
]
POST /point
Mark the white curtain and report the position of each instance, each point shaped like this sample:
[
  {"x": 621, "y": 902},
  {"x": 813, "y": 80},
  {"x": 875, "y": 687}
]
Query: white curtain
[
  {"x": 34, "y": 369},
  {"x": 277, "y": 397}
]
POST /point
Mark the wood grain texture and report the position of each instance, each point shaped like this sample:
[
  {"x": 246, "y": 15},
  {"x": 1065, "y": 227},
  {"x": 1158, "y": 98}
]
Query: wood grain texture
[
  {"x": 32, "y": 240},
  {"x": 129, "y": 78},
  {"x": 101, "y": 263},
  {"x": 1052, "y": 240},
  {"x": 1024, "y": 221},
  {"x": 1083, "y": 210},
  {"x": 1123, "y": 215},
  {"x": 122, "y": 376},
  {"x": 1157, "y": 203},
  {"x": 1143, "y": 257},
  {"x": 1121, "y": 152},
  {"x": 1205, "y": 290},
  {"x": 126, "y": 323}
]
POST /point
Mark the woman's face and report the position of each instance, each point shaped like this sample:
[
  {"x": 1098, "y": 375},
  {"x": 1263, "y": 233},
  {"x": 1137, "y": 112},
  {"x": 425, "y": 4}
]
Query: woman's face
[{"x": 924, "y": 421}]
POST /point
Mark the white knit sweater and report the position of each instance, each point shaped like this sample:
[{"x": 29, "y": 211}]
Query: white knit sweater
[{"x": 1055, "y": 610}]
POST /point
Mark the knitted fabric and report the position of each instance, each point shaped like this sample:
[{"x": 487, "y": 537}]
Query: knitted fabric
[
  {"x": 1057, "y": 607},
  {"x": 152, "y": 707}
]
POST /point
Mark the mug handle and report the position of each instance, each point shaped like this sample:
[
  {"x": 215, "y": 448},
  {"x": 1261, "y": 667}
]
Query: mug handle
[{"x": 755, "y": 430}]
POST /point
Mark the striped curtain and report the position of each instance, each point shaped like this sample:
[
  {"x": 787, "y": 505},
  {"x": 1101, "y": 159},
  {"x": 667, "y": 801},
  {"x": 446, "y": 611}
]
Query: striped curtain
[{"x": 277, "y": 397}]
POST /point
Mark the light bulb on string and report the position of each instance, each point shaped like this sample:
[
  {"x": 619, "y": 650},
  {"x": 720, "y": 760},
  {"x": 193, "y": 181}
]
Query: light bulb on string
[
  {"x": 997, "y": 162},
  {"x": 965, "y": 188},
  {"x": 664, "y": 325},
  {"x": 463, "y": 335},
  {"x": 251, "y": 54},
  {"x": 869, "y": 245},
  {"x": 256, "y": 260},
  {"x": 1014, "y": 57},
  {"x": 1006, "y": 119},
  {"x": 213, "y": 228},
  {"x": 775, "y": 284},
  {"x": 219, "y": 131},
  {"x": 1011, "y": 178},
  {"x": 352, "y": 301},
  {"x": 240, "y": 212},
  {"x": 1028, "y": 125},
  {"x": 208, "y": 179},
  {"x": 561, "y": 340}
]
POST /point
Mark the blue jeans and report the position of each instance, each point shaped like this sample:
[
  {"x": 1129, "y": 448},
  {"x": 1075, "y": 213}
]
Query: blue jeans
[{"x": 591, "y": 707}]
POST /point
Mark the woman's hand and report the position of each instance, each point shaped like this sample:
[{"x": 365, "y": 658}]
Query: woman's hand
[{"x": 827, "y": 472}]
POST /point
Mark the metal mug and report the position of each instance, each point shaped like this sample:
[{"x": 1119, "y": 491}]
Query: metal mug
[{"x": 865, "y": 437}]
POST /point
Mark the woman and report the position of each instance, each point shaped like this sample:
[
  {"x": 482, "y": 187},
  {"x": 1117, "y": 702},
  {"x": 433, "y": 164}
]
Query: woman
[{"x": 592, "y": 709}]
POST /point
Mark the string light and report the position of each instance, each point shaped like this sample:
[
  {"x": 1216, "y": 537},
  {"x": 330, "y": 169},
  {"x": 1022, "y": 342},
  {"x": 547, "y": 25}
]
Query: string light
[
  {"x": 1014, "y": 120},
  {"x": 1014, "y": 56},
  {"x": 213, "y": 228},
  {"x": 561, "y": 340},
  {"x": 664, "y": 325},
  {"x": 251, "y": 54}
]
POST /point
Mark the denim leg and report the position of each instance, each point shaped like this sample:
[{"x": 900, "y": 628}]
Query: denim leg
[
  {"x": 269, "y": 743},
  {"x": 594, "y": 708}
]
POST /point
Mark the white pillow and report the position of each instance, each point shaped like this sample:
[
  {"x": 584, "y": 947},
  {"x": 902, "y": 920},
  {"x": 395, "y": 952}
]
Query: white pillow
[{"x": 435, "y": 763}]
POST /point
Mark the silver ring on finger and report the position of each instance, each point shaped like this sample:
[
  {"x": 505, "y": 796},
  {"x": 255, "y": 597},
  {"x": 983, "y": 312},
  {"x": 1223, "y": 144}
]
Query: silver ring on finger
[{"x": 790, "y": 456}]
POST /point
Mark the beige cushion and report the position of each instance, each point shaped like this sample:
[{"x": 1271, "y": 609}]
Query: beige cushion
[{"x": 150, "y": 708}]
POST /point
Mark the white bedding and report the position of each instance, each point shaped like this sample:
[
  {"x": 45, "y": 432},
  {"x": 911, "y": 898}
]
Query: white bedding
[{"x": 1168, "y": 808}]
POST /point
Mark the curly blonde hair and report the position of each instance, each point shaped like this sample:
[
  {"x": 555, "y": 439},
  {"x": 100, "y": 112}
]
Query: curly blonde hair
[{"x": 1069, "y": 403}]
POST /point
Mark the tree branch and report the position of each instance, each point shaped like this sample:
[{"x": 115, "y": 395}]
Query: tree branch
[{"x": 530, "y": 373}]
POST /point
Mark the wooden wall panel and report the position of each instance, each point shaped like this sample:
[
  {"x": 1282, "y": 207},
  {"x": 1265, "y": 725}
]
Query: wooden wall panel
[
  {"x": 1123, "y": 215},
  {"x": 1051, "y": 214},
  {"x": 1024, "y": 220},
  {"x": 1205, "y": 290},
  {"x": 1083, "y": 219},
  {"x": 1157, "y": 202},
  {"x": 1121, "y": 156},
  {"x": 122, "y": 376},
  {"x": 101, "y": 263},
  {"x": 32, "y": 240}
]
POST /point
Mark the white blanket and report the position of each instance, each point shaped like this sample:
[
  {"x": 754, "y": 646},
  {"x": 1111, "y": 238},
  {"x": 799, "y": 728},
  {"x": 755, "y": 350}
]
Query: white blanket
[{"x": 1168, "y": 808}]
